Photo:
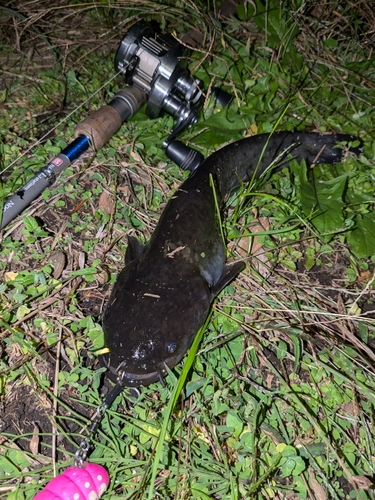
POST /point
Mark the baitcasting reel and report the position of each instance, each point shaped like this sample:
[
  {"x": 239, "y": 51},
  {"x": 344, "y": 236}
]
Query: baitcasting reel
[
  {"x": 155, "y": 73},
  {"x": 155, "y": 65}
]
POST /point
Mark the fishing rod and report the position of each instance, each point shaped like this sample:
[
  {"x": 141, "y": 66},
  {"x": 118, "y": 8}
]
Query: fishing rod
[{"x": 156, "y": 74}]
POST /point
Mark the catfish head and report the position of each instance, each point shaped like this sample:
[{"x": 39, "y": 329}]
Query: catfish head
[{"x": 152, "y": 316}]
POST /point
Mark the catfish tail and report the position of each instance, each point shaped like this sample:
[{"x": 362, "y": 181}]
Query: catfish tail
[{"x": 248, "y": 158}]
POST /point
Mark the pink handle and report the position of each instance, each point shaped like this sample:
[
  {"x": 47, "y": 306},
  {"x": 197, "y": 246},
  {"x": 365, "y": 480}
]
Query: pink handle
[{"x": 77, "y": 483}]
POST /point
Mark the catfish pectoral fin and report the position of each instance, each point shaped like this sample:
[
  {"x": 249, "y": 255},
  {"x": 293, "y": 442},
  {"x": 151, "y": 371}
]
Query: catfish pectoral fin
[
  {"x": 134, "y": 250},
  {"x": 230, "y": 272}
]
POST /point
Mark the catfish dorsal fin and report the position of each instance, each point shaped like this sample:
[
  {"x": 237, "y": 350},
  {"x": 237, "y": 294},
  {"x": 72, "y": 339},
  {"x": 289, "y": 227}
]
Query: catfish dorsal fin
[{"x": 134, "y": 250}]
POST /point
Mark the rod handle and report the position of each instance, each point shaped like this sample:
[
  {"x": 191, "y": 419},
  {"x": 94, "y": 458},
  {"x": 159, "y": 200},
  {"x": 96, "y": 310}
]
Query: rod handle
[{"x": 101, "y": 125}]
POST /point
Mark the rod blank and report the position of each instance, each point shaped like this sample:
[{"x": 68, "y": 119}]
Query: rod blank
[{"x": 95, "y": 131}]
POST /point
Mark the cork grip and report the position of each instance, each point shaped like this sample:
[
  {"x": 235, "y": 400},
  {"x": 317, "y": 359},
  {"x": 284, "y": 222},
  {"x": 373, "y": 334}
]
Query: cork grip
[{"x": 100, "y": 126}]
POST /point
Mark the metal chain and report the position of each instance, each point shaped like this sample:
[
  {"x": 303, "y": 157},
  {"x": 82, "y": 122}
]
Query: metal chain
[
  {"x": 81, "y": 453},
  {"x": 84, "y": 447}
]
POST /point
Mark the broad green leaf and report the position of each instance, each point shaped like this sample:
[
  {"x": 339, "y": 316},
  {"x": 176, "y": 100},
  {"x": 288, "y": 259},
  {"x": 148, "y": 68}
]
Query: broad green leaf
[
  {"x": 323, "y": 202},
  {"x": 30, "y": 223},
  {"x": 361, "y": 240},
  {"x": 234, "y": 421}
]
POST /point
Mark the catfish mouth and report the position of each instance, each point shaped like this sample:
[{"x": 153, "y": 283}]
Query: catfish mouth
[{"x": 127, "y": 379}]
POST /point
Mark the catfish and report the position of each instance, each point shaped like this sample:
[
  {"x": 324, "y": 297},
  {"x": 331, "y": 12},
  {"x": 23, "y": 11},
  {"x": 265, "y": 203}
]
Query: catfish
[{"x": 164, "y": 293}]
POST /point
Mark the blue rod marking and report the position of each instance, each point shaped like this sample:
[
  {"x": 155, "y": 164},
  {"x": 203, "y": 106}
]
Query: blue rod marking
[{"x": 76, "y": 148}]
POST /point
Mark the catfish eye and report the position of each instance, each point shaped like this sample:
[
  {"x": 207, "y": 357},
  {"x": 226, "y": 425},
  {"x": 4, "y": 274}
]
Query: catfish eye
[{"x": 171, "y": 347}]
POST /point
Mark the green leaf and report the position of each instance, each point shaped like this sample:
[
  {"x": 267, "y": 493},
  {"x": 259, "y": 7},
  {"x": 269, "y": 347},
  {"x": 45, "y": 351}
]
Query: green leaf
[
  {"x": 288, "y": 465},
  {"x": 6, "y": 466},
  {"x": 96, "y": 336},
  {"x": 16, "y": 495},
  {"x": 194, "y": 385},
  {"x": 361, "y": 240},
  {"x": 234, "y": 421},
  {"x": 22, "y": 311},
  {"x": 291, "y": 463},
  {"x": 299, "y": 466},
  {"x": 286, "y": 450},
  {"x": 84, "y": 272},
  {"x": 31, "y": 223},
  {"x": 323, "y": 202}
]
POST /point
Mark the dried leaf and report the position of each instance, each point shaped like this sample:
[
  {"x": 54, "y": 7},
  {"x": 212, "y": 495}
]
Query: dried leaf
[
  {"x": 78, "y": 207},
  {"x": 263, "y": 225},
  {"x": 362, "y": 482},
  {"x": 251, "y": 245},
  {"x": 81, "y": 260},
  {"x": 136, "y": 156},
  {"x": 106, "y": 203},
  {"x": 34, "y": 442},
  {"x": 126, "y": 191},
  {"x": 58, "y": 260},
  {"x": 364, "y": 277},
  {"x": 319, "y": 492},
  {"x": 10, "y": 276}
]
